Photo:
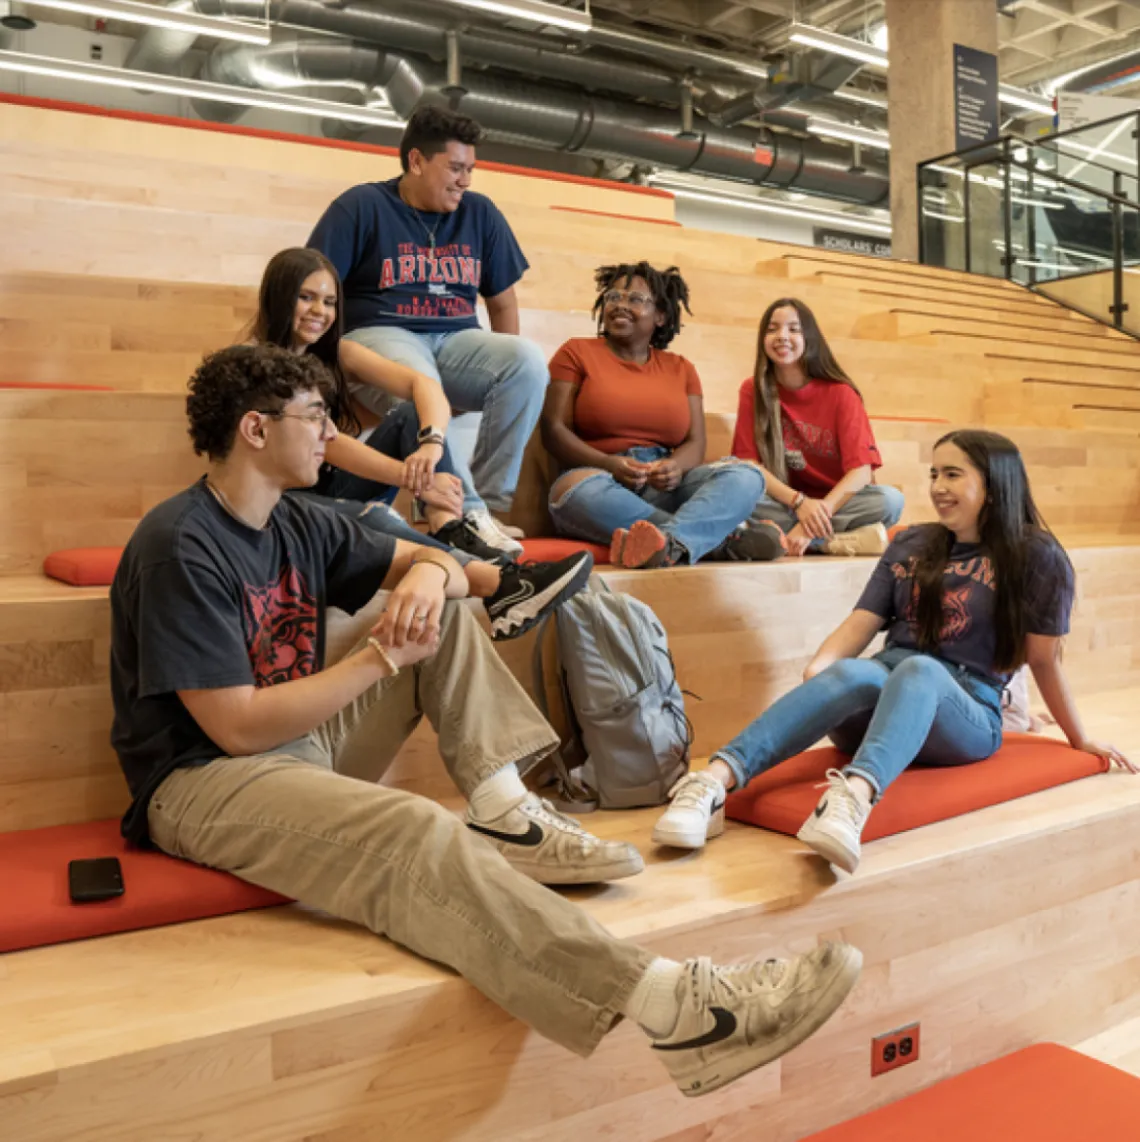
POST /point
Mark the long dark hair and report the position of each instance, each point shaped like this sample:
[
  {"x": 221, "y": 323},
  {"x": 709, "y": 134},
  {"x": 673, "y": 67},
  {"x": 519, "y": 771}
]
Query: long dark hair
[
  {"x": 276, "y": 304},
  {"x": 819, "y": 364},
  {"x": 1008, "y": 522},
  {"x": 670, "y": 292}
]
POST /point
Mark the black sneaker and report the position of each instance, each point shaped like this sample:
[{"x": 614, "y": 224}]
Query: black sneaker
[
  {"x": 457, "y": 533},
  {"x": 528, "y": 591},
  {"x": 751, "y": 543}
]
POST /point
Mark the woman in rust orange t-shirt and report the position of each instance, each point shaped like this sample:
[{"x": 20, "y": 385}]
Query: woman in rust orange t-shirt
[
  {"x": 815, "y": 441},
  {"x": 625, "y": 420}
]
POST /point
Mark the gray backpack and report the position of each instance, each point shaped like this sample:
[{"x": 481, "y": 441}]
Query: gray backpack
[{"x": 629, "y": 738}]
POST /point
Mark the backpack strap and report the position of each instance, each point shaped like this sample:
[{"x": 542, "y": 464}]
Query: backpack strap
[{"x": 570, "y": 794}]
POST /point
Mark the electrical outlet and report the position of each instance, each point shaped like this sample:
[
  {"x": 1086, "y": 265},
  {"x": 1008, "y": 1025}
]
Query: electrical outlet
[{"x": 894, "y": 1049}]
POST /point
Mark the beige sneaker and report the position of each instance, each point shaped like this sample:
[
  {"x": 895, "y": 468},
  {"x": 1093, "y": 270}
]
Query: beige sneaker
[
  {"x": 835, "y": 827},
  {"x": 870, "y": 540},
  {"x": 695, "y": 813},
  {"x": 735, "y": 1019},
  {"x": 552, "y": 848}
]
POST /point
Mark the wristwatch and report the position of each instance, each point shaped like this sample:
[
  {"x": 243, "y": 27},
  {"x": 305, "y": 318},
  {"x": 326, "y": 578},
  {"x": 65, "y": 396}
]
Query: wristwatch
[{"x": 429, "y": 435}]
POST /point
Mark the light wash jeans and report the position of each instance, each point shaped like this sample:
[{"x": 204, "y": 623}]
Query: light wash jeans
[
  {"x": 875, "y": 503},
  {"x": 899, "y": 707},
  {"x": 710, "y": 502},
  {"x": 501, "y": 376},
  {"x": 309, "y": 820}
]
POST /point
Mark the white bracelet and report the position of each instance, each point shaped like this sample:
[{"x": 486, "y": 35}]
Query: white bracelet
[{"x": 385, "y": 657}]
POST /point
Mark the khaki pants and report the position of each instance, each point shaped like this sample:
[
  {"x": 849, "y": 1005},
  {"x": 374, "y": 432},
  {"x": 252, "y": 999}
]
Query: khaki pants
[{"x": 308, "y": 821}]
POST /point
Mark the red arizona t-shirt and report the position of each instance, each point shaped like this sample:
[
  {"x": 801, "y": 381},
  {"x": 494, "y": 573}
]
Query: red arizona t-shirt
[{"x": 826, "y": 434}]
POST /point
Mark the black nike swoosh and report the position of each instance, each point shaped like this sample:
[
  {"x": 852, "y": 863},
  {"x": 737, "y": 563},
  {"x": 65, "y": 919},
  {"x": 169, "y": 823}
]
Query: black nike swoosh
[
  {"x": 533, "y": 836},
  {"x": 821, "y": 808},
  {"x": 725, "y": 1026}
]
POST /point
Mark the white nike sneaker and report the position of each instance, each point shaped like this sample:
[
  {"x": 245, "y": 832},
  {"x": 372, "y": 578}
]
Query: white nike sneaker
[
  {"x": 735, "y": 1019},
  {"x": 488, "y": 529},
  {"x": 552, "y": 848},
  {"x": 835, "y": 828},
  {"x": 695, "y": 813}
]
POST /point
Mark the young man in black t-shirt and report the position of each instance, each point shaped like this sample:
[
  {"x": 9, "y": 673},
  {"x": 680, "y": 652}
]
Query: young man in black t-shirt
[{"x": 244, "y": 753}]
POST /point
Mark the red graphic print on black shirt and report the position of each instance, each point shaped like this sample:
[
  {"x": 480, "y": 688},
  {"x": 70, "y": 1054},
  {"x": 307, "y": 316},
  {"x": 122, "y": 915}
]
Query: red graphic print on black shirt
[
  {"x": 281, "y": 629},
  {"x": 956, "y": 617}
]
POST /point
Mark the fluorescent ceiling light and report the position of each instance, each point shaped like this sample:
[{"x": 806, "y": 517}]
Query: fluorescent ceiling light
[
  {"x": 829, "y": 129},
  {"x": 194, "y": 89},
  {"x": 852, "y": 95},
  {"x": 534, "y": 11},
  {"x": 849, "y": 220},
  {"x": 838, "y": 45},
  {"x": 869, "y": 53},
  {"x": 1016, "y": 97},
  {"x": 158, "y": 17}
]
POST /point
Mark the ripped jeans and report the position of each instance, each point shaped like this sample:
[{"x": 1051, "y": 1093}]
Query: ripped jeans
[{"x": 710, "y": 502}]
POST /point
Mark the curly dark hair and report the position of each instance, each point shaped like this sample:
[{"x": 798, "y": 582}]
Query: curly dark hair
[
  {"x": 670, "y": 292},
  {"x": 241, "y": 379},
  {"x": 432, "y": 127}
]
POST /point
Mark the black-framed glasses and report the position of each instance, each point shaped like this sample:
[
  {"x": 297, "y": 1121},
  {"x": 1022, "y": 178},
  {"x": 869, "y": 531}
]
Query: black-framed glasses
[{"x": 321, "y": 417}]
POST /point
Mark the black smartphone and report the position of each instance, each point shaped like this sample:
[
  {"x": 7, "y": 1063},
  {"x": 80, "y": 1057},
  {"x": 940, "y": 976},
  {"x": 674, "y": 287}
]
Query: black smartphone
[{"x": 91, "y": 880}]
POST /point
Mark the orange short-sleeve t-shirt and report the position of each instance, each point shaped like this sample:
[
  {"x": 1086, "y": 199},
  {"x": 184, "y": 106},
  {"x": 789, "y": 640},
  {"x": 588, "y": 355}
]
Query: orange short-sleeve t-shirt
[{"x": 622, "y": 405}]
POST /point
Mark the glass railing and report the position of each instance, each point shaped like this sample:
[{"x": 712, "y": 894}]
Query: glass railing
[{"x": 1013, "y": 209}]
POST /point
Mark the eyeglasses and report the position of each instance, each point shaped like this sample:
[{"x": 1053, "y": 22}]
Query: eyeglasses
[
  {"x": 320, "y": 417},
  {"x": 633, "y": 300}
]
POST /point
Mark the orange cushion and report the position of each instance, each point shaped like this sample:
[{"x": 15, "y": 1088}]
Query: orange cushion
[
  {"x": 35, "y": 908},
  {"x": 1044, "y": 1093},
  {"x": 84, "y": 566},
  {"x": 782, "y": 798},
  {"x": 543, "y": 550}
]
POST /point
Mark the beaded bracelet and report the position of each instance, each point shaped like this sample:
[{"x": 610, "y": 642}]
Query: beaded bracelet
[{"x": 385, "y": 657}]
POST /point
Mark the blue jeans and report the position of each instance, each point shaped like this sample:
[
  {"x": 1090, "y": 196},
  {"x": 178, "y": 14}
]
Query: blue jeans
[
  {"x": 710, "y": 502},
  {"x": 394, "y": 436},
  {"x": 382, "y": 517},
  {"x": 503, "y": 377},
  {"x": 899, "y": 707},
  {"x": 369, "y": 501},
  {"x": 875, "y": 503}
]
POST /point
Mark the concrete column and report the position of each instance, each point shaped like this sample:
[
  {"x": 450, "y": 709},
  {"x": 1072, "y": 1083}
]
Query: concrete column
[{"x": 921, "y": 93}]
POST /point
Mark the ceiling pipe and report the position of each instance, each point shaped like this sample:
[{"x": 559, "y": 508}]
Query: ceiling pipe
[
  {"x": 425, "y": 32},
  {"x": 574, "y": 122}
]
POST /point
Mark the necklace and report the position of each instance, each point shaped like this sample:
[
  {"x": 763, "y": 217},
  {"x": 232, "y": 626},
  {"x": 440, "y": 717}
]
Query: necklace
[
  {"x": 430, "y": 231},
  {"x": 220, "y": 496}
]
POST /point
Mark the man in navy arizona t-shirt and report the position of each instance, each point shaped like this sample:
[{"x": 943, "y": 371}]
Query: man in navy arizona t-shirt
[{"x": 415, "y": 255}]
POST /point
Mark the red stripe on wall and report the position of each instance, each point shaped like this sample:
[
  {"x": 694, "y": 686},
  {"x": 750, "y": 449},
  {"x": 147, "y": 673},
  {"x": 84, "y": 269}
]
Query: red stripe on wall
[{"x": 308, "y": 140}]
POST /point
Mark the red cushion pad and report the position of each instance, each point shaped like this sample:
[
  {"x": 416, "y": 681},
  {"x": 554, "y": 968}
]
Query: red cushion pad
[
  {"x": 35, "y": 908},
  {"x": 782, "y": 798},
  {"x": 1044, "y": 1093},
  {"x": 84, "y": 566},
  {"x": 549, "y": 550}
]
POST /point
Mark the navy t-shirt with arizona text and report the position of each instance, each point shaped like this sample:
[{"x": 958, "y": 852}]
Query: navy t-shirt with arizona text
[
  {"x": 202, "y": 601},
  {"x": 394, "y": 275},
  {"x": 968, "y": 637}
]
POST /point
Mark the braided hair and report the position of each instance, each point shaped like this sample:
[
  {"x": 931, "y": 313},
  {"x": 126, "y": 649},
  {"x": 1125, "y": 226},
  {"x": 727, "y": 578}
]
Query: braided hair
[{"x": 669, "y": 289}]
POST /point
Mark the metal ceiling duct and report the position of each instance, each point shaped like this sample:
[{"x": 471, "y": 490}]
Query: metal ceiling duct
[
  {"x": 162, "y": 49},
  {"x": 533, "y": 115}
]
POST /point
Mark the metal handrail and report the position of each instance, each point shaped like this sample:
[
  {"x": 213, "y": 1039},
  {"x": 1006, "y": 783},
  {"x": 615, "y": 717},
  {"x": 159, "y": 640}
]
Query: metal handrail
[{"x": 1000, "y": 154}]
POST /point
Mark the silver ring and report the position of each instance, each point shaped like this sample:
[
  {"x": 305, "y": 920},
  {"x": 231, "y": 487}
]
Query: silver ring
[{"x": 419, "y": 618}]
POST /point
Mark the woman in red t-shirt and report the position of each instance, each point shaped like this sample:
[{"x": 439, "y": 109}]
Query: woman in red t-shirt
[
  {"x": 625, "y": 420},
  {"x": 802, "y": 418}
]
